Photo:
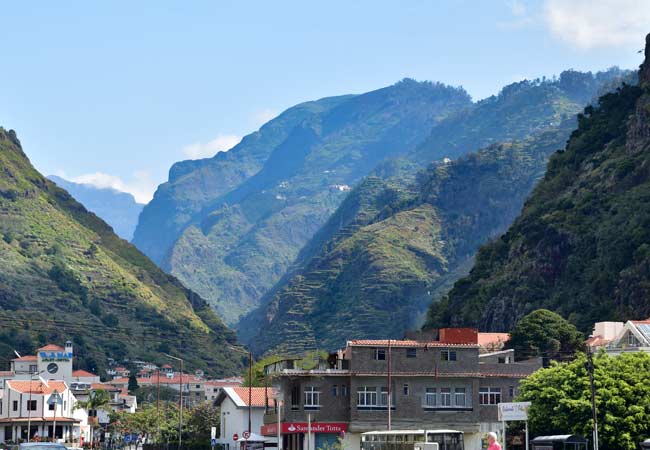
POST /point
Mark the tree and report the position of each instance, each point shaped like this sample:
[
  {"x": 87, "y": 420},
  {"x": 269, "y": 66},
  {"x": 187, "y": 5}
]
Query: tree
[
  {"x": 97, "y": 400},
  {"x": 561, "y": 399},
  {"x": 545, "y": 333},
  {"x": 133, "y": 384},
  {"x": 201, "y": 419}
]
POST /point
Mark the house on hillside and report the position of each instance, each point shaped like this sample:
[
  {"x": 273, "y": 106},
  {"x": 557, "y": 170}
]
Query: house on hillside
[{"x": 618, "y": 337}]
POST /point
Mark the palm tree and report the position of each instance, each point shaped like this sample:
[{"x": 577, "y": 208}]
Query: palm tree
[{"x": 97, "y": 399}]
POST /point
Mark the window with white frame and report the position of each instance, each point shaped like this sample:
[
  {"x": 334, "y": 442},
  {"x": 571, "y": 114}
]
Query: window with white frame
[
  {"x": 312, "y": 397},
  {"x": 431, "y": 397},
  {"x": 632, "y": 341},
  {"x": 366, "y": 396},
  {"x": 448, "y": 355},
  {"x": 460, "y": 397},
  {"x": 489, "y": 395},
  {"x": 380, "y": 354},
  {"x": 445, "y": 396}
]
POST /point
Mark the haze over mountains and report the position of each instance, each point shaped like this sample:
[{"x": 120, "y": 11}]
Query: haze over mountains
[
  {"x": 118, "y": 209},
  {"x": 233, "y": 226}
]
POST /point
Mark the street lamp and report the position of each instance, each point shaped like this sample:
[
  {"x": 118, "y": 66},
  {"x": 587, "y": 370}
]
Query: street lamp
[
  {"x": 29, "y": 404},
  {"x": 180, "y": 401}
]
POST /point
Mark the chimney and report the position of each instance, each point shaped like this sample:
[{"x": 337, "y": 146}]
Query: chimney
[{"x": 68, "y": 346}]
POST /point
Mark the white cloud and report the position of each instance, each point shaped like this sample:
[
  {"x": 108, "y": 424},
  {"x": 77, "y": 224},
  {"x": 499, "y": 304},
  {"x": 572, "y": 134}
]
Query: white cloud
[
  {"x": 589, "y": 24},
  {"x": 141, "y": 185},
  {"x": 222, "y": 143},
  {"x": 263, "y": 116}
]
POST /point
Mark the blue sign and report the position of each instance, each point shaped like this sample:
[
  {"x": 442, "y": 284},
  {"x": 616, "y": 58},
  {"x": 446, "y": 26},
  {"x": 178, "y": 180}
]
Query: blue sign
[
  {"x": 213, "y": 442},
  {"x": 127, "y": 438}
]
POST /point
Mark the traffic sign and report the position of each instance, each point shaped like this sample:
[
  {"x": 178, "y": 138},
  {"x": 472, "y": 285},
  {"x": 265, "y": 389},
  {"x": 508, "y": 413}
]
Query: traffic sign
[
  {"x": 246, "y": 434},
  {"x": 213, "y": 442},
  {"x": 127, "y": 438},
  {"x": 55, "y": 399},
  {"x": 235, "y": 437}
]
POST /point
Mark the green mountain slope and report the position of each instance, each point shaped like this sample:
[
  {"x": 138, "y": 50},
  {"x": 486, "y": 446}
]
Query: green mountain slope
[
  {"x": 581, "y": 246},
  {"x": 66, "y": 275},
  {"x": 118, "y": 209},
  {"x": 241, "y": 244},
  {"x": 193, "y": 185},
  {"x": 396, "y": 246}
]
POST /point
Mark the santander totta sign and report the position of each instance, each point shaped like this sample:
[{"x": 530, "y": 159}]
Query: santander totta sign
[{"x": 301, "y": 427}]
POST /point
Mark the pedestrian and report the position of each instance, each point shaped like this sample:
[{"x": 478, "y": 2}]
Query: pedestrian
[{"x": 492, "y": 441}]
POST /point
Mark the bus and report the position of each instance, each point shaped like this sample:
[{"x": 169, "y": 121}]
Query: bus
[{"x": 413, "y": 440}]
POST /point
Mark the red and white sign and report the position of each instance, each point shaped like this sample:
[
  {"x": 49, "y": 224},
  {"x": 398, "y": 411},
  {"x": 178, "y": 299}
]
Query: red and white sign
[
  {"x": 235, "y": 437},
  {"x": 246, "y": 434},
  {"x": 301, "y": 427}
]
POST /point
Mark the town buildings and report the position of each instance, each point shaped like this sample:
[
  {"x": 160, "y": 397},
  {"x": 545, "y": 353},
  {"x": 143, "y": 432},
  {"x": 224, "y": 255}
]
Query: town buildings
[
  {"x": 447, "y": 381},
  {"x": 234, "y": 405},
  {"x": 619, "y": 337}
]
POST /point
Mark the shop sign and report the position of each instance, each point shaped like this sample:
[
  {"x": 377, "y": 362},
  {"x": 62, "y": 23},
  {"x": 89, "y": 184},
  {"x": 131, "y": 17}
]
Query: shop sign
[
  {"x": 301, "y": 427},
  {"x": 55, "y": 356}
]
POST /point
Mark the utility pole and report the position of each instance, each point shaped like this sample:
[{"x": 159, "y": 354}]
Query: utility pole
[
  {"x": 158, "y": 405},
  {"x": 389, "y": 385},
  {"x": 250, "y": 393},
  {"x": 590, "y": 369},
  {"x": 180, "y": 401}
]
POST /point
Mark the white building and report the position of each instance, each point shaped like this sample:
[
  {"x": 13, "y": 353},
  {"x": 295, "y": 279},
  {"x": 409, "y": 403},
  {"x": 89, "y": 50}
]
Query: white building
[
  {"x": 234, "y": 405},
  {"x": 619, "y": 337},
  {"x": 32, "y": 403}
]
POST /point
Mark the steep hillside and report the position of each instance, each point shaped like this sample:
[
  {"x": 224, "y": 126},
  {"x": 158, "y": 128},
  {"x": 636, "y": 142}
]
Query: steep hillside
[
  {"x": 396, "y": 246},
  {"x": 581, "y": 246},
  {"x": 66, "y": 275},
  {"x": 241, "y": 244},
  {"x": 193, "y": 185},
  {"x": 118, "y": 209}
]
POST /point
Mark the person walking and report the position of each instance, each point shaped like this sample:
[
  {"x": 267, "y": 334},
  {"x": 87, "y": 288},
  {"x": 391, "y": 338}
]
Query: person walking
[{"x": 492, "y": 441}]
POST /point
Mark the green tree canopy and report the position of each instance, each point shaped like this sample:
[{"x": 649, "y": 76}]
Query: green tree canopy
[
  {"x": 545, "y": 333},
  {"x": 561, "y": 399}
]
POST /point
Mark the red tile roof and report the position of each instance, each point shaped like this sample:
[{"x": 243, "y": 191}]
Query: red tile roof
[
  {"x": 104, "y": 386},
  {"x": 596, "y": 341},
  {"x": 36, "y": 386},
  {"x": 51, "y": 348},
  {"x": 403, "y": 343},
  {"x": 83, "y": 373},
  {"x": 25, "y": 358},
  {"x": 258, "y": 395}
]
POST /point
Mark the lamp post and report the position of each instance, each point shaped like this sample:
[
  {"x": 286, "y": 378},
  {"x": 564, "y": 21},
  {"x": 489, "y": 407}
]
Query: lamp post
[
  {"x": 180, "y": 401},
  {"x": 29, "y": 405}
]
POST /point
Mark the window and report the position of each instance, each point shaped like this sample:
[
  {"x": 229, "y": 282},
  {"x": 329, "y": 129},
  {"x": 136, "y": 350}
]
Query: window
[
  {"x": 344, "y": 390},
  {"x": 335, "y": 390},
  {"x": 445, "y": 396},
  {"x": 15, "y": 405},
  {"x": 31, "y": 405},
  {"x": 9, "y": 432},
  {"x": 50, "y": 407},
  {"x": 383, "y": 399},
  {"x": 295, "y": 397},
  {"x": 461, "y": 397},
  {"x": 198, "y": 386},
  {"x": 366, "y": 396},
  {"x": 632, "y": 340},
  {"x": 405, "y": 389},
  {"x": 33, "y": 368},
  {"x": 430, "y": 397},
  {"x": 312, "y": 397},
  {"x": 489, "y": 395},
  {"x": 411, "y": 352},
  {"x": 380, "y": 354},
  {"x": 448, "y": 355}
]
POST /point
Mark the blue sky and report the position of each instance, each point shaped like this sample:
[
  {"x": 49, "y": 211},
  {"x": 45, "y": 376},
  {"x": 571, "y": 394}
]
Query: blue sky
[{"x": 113, "y": 93}]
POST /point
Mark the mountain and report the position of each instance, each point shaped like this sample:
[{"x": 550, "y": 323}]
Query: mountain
[
  {"x": 243, "y": 240},
  {"x": 195, "y": 184},
  {"x": 581, "y": 245},
  {"x": 391, "y": 246},
  {"x": 66, "y": 275},
  {"x": 118, "y": 209}
]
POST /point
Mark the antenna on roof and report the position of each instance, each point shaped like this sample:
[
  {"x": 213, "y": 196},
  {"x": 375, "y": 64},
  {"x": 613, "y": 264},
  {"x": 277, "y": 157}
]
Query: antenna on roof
[
  {"x": 44, "y": 381},
  {"x": 17, "y": 354}
]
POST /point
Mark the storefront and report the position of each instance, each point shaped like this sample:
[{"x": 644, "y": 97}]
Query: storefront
[{"x": 303, "y": 436}]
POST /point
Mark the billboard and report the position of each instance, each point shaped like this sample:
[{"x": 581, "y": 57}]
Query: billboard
[{"x": 513, "y": 411}]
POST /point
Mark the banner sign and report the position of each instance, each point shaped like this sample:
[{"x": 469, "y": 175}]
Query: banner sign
[
  {"x": 55, "y": 356},
  {"x": 301, "y": 427},
  {"x": 513, "y": 411}
]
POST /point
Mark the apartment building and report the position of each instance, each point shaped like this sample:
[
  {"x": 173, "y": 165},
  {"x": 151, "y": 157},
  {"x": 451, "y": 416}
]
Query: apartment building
[{"x": 434, "y": 382}]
